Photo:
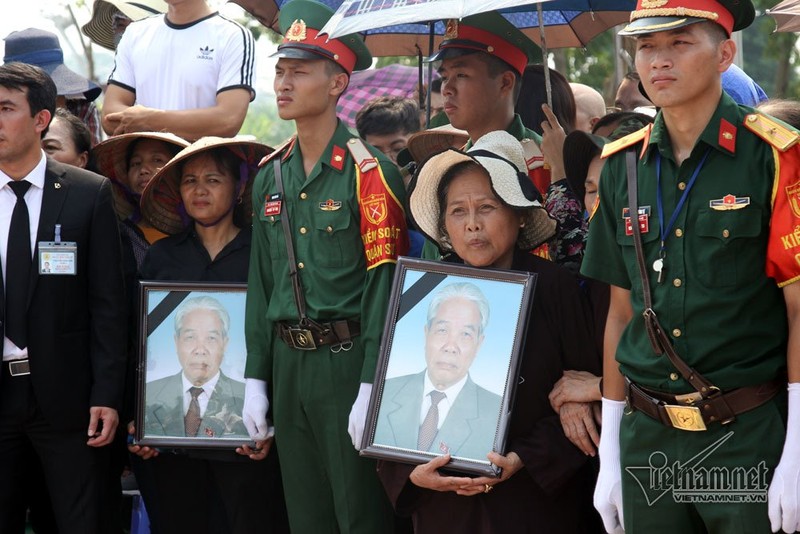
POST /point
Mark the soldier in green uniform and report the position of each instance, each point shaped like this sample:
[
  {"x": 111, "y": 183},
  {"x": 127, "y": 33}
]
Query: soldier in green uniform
[
  {"x": 701, "y": 356},
  {"x": 316, "y": 308},
  {"x": 482, "y": 59}
]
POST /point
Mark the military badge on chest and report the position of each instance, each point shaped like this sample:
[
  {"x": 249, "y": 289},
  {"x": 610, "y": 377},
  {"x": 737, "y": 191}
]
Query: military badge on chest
[{"x": 272, "y": 205}]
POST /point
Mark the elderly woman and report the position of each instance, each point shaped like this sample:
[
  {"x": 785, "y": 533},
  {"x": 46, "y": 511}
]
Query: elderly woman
[
  {"x": 479, "y": 208},
  {"x": 201, "y": 199}
]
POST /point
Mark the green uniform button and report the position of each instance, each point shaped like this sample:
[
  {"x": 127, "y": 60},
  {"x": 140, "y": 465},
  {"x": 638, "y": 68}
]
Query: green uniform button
[
  {"x": 300, "y": 265},
  {"x": 271, "y": 218},
  {"x": 682, "y": 186},
  {"x": 675, "y": 332},
  {"x": 726, "y": 233},
  {"x": 329, "y": 229},
  {"x": 673, "y": 376},
  {"x": 678, "y": 232},
  {"x": 677, "y": 282},
  {"x": 303, "y": 196},
  {"x": 303, "y": 230}
]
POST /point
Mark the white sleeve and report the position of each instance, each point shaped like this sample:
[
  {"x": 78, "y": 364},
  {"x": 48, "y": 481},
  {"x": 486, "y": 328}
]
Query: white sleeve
[
  {"x": 123, "y": 73},
  {"x": 237, "y": 61}
]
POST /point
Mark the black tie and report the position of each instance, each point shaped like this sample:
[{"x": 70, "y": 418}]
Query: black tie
[{"x": 18, "y": 268}]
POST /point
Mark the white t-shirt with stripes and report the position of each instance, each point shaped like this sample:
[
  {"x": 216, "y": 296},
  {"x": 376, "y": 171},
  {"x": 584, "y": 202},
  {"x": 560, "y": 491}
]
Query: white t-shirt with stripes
[{"x": 173, "y": 67}]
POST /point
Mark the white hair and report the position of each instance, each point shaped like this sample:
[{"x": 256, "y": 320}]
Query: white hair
[
  {"x": 462, "y": 290},
  {"x": 202, "y": 303}
]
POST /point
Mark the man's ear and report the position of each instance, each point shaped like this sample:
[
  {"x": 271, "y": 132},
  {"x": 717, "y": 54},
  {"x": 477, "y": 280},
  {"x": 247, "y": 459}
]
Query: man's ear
[
  {"x": 507, "y": 81},
  {"x": 727, "y": 53},
  {"x": 42, "y": 120},
  {"x": 339, "y": 83}
]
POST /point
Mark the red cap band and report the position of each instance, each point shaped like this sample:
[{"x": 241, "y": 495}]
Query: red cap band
[
  {"x": 701, "y": 9},
  {"x": 494, "y": 45},
  {"x": 332, "y": 49}
]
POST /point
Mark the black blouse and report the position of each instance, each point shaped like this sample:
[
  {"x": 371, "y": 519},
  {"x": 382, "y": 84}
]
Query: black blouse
[{"x": 183, "y": 258}]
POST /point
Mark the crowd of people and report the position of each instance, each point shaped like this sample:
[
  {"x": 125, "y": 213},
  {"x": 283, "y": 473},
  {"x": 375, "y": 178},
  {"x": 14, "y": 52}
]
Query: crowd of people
[{"x": 661, "y": 336}]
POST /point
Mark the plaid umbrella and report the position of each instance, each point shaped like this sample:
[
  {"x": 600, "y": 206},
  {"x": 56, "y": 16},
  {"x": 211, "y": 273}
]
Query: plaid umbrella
[{"x": 392, "y": 80}]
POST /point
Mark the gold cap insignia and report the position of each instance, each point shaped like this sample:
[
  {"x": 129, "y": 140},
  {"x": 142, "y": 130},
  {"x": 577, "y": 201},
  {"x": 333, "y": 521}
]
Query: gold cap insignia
[
  {"x": 652, "y": 4},
  {"x": 297, "y": 31},
  {"x": 451, "y": 29}
]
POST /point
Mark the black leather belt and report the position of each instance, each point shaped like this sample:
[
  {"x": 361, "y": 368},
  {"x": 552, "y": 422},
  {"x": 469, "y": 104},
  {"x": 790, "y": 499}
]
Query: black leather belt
[
  {"x": 693, "y": 412},
  {"x": 339, "y": 334},
  {"x": 18, "y": 367}
]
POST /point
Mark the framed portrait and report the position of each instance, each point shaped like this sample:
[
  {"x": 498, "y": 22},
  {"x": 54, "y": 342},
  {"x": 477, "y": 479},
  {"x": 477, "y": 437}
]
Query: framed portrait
[
  {"x": 448, "y": 365},
  {"x": 190, "y": 389}
]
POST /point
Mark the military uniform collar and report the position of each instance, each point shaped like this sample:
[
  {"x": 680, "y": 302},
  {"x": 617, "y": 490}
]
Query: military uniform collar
[
  {"x": 719, "y": 133},
  {"x": 335, "y": 154}
]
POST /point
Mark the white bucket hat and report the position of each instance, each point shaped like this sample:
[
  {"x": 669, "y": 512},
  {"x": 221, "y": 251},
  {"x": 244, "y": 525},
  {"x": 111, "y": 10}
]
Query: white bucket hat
[{"x": 501, "y": 155}]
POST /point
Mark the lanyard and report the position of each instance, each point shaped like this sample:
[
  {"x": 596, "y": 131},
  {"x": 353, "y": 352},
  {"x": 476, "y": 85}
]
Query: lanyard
[{"x": 664, "y": 229}]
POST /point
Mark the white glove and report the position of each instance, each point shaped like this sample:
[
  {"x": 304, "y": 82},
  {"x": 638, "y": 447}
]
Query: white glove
[
  {"x": 608, "y": 491},
  {"x": 784, "y": 509},
  {"x": 254, "y": 412},
  {"x": 358, "y": 415}
]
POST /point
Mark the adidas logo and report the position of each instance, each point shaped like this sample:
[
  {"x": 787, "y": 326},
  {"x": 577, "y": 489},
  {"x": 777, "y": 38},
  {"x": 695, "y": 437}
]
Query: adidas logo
[{"x": 205, "y": 53}]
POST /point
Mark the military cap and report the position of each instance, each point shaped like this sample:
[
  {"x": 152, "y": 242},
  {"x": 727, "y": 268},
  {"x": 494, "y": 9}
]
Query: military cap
[
  {"x": 662, "y": 15},
  {"x": 490, "y": 33},
  {"x": 300, "y": 22}
]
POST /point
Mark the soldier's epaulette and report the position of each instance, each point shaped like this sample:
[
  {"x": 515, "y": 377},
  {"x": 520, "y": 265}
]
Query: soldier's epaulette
[
  {"x": 624, "y": 142},
  {"x": 772, "y": 132},
  {"x": 269, "y": 157},
  {"x": 361, "y": 154},
  {"x": 533, "y": 154}
]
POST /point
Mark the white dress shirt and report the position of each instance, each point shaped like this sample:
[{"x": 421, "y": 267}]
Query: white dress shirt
[
  {"x": 202, "y": 398},
  {"x": 445, "y": 404},
  {"x": 33, "y": 199}
]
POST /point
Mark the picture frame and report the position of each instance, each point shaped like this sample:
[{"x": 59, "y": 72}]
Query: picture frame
[
  {"x": 191, "y": 334},
  {"x": 459, "y": 330}
]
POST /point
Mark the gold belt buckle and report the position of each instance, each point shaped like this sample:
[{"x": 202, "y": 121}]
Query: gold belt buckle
[
  {"x": 302, "y": 339},
  {"x": 686, "y": 418}
]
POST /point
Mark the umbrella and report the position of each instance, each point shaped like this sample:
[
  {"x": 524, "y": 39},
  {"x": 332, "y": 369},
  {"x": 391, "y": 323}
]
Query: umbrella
[
  {"x": 786, "y": 15},
  {"x": 392, "y": 80},
  {"x": 567, "y": 23}
]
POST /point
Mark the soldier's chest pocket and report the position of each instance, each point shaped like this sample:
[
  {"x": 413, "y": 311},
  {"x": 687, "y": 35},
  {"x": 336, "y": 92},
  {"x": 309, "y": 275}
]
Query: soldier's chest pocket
[
  {"x": 728, "y": 252},
  {"x": 273, "y": 228},
  {"x": 336, "y": 242},
  {"x": 625, "y": 241}
]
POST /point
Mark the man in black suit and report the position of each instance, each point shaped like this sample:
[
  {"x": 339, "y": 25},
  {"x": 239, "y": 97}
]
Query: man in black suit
[{"x": 64, "y": 332}]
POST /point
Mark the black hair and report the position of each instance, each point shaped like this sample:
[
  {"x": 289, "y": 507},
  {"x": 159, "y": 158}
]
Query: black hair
[
  {"x": 40, "y": 89},
  {"x": 78, "y": 131},
  {"x": 529, "y": 106},
  {"x": 496, "y": 67},
  {"x": 620, "y": 116},
  {"x": 436, "y": 85},
  {"x": 387, "y": 115}
]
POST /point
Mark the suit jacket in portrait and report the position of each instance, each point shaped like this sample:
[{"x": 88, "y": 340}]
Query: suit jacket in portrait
[
  {"x": 223, "y": 417},
  {"x": 467, "y": 431},
  {"x": 77, "y": 323}
]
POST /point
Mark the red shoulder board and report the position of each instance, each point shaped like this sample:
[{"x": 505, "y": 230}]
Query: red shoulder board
[{"x": 285, "y": 146}]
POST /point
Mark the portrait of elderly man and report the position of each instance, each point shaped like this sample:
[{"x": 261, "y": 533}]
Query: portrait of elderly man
[
  {"x": 441, "y": 409},
  {"x": 200, "y": 400}
]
